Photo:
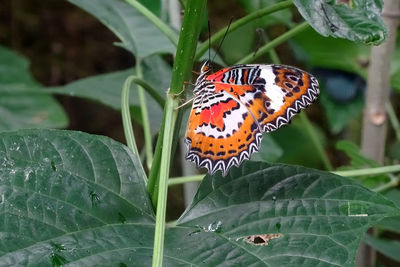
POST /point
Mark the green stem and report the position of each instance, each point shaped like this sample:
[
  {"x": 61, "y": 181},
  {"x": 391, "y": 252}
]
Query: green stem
[
  {"x": 126, "y": 115},
  {"x": 240, "y": 22},
  {"x": 277, "y": 41},
  {"x": 394, "y": 182},
  {"x": 272, "y": 53},
  {"x": 170, "y": 119},
  {"x": 152, "y": 92},
  {"x": 168, "y": 31},
  {"x": 369, "y": 171},
  {"x": 349, "y": 173},
  {"x": 185, "y": 179},
  {"x": 393, "y": 120},
  {"x": 315, "y": 140},
  {"x": 181, "y": 70},
  {"x": 148, "y": 143}
]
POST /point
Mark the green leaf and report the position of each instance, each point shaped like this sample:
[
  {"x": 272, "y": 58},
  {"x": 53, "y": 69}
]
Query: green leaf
[
  {"x": 106, "y": 88},
  {"x": 389, "y": 248},
  {"x": 392, "y": 223},
  {"x": 395, "y": 65},
  {"x": 269, "y": 151},
  {"x": 71, "y": 197},
  {"x": 24, "y": 103},
  {"x": 340, "y": 114},
  {"x": 154, "y": 6},
  {"x": 79, "y": 199},
  {"x": 331, "y": 53},
  {"x": 321, "y": 218},
  {"x": 295, "y": 143},
  {"x": 135, "y": 31},
  {"x": 358, "y": 161},
  {"x": 356, "y": 20}
]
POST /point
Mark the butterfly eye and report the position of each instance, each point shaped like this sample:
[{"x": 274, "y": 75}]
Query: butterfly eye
[{"x": 205, "y": 68}]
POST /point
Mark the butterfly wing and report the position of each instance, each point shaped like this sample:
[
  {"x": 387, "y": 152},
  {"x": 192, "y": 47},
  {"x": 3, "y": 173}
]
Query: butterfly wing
[
  {"x": 220, "y": 132},
  {"x": 272, "y": 93}
]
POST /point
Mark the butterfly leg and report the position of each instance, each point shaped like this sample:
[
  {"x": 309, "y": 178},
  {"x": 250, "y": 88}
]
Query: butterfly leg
[{"x": 184, "y": 104}]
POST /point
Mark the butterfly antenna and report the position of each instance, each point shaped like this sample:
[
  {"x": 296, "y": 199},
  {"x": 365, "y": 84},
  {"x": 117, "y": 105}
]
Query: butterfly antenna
[
  {"x": 223, "y": 38},
  {"x": 260, "y": 33},
  {"x": 209, "y": 41}
]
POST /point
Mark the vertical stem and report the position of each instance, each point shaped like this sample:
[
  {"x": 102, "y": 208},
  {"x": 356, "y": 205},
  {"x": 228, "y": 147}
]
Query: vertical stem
[
  {"x": 148, "y": 144},
  {"x": 374, "y": 122},
  {"x": 170, "y": 119},
  {"x": 181, "y": 71}
]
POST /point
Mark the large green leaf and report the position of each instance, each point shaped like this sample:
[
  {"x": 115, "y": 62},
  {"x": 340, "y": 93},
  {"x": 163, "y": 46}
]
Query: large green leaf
[
  {"x": 70, "y": 198},
  {"x": 24, "y": 103},
  {"x": 137, "y": 34},
  {"x": 68, "y": 195},
  {"x": 106, "y": 88},
  {"x": 321, "y": 217},
  {"x": 356, "y": 20}
]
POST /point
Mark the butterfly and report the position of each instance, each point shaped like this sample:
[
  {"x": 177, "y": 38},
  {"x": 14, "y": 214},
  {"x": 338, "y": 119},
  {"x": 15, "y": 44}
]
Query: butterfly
[{"x": 234, "y": 106}]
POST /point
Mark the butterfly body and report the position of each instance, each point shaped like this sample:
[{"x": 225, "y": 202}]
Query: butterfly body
[{"x": 233, "y": 107}]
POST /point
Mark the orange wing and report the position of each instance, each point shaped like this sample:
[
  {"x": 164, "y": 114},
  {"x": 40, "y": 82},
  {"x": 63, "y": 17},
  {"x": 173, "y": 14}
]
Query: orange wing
[
  {"x": 221, "y": 134},
  {"x": 272, "y": 93},
  {"x": 234, "y": 106}
]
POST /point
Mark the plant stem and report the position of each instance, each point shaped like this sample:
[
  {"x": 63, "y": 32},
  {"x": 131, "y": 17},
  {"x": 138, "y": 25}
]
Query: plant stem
[
  {"x": 185, "y": 179},
  {"x": 369, "y": 171},
  {"x": 393, "y": 120},
  {"x": 181, "y": 70},
  {"x": 148, "y": 143},
  {"x": 240, "y": 22},
  {"x": 126, "y": 115},
  {"x": 150, "y": 90},
  {"x": 277, "y": 41},
  {"x": 169, "y": 33},
  {"x": 170, "y": 119},
  {"x": 315, "y": 140},
  {"x": 349, "y": 173}
]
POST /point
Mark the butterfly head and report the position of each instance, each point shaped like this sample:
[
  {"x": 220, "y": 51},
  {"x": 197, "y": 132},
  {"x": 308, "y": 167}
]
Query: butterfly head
[
  {"x": 206, "y": 68},
  {"x": 204, "y": 71}
]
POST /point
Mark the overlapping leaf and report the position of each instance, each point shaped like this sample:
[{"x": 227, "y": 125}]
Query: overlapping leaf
[
  {"x": 320, "y": 216},
  {"x": 24, "y": 103},
  {"x": 106, "y": 88},
  {"x": 136, "y": 32},
  {"x": 356, "y": 20},
  {"x": 68, "y": 195}
]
